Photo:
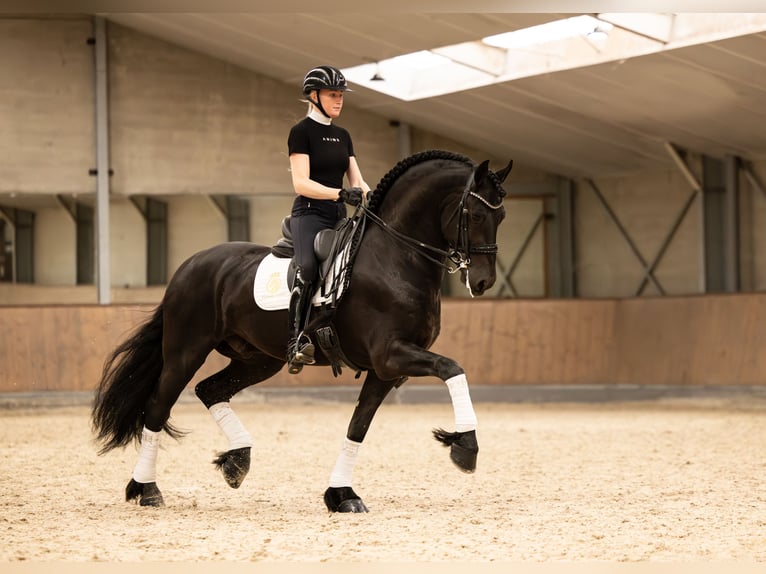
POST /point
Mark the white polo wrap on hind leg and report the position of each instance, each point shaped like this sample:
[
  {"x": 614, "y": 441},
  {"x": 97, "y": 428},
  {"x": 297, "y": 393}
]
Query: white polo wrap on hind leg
[
  {"x": 465, "y": 417},
  {"x": 344, "y": 465},
  {"x": 146, "y": 467},
  {"x": 231, "y": 426}
]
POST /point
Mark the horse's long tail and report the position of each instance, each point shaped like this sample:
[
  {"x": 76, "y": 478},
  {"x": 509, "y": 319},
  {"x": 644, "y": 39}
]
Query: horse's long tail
[{"x": 129, "y": 378}]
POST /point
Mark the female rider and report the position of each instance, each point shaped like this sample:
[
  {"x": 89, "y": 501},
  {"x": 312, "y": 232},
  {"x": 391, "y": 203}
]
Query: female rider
[{"x": 321, "y": 154}]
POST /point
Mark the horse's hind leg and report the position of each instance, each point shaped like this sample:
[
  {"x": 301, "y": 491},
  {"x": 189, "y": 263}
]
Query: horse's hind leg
[
  {"x": 180, "y": 363},
  {"x": 339, "y": 496},
  {"x": 215, "y": 393}
]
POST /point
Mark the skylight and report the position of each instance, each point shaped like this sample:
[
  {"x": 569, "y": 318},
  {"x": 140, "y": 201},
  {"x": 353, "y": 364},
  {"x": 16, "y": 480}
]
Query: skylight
[
  {"x": 544, "y": 33},
  {"x": 574, "y": 42}
]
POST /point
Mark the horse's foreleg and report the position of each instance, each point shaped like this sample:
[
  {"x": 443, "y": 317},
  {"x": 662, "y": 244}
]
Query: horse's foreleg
[
  {"x": 215, "y": 393},
  {"x": 409, "y": 360},
  {"x": 234, "y": 463},
  {"x": 463, "y": 445},
  {"x": 465, "y": 416},
  {"x": 340, "y": 496}
]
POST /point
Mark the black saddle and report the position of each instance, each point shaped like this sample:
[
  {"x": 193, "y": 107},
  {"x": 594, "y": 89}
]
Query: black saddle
[{"x": 327, "y": 244}]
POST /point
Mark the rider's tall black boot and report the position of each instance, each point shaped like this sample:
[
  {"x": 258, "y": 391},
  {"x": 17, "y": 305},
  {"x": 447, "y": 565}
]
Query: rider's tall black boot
[{"x": 300, "y": 350}]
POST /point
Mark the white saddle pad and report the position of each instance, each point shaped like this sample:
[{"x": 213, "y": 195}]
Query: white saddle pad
[{"x": 270, "y": 286}]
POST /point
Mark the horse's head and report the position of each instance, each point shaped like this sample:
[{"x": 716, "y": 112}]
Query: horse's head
[{"x": 472, "y": 228}]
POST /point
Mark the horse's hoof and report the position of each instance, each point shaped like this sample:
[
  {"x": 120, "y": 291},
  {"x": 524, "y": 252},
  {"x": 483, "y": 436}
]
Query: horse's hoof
[
  {"x": 343, "y": 499},
  {"x": 464, "y": 458},
  {"x": 234, "y": 464},
  {"x": 147, "y": 493},
  {"x": 463, "y": 447}
]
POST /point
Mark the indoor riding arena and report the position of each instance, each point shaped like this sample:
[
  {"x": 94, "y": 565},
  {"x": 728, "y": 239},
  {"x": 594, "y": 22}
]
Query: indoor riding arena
[{"x": 616, "y": 367}]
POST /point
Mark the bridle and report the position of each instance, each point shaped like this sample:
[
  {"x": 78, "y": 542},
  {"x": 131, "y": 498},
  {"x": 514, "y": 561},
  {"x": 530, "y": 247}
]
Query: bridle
[
  {"x": 458, "y": 256},
  {"x": 463, "y": 249}
]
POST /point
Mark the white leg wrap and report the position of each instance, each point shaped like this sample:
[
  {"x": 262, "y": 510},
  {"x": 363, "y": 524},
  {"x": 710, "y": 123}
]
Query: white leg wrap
[
  {"x": 146, "y": 467},
  {"x": 465, "y": 417},
  {"x": 344, "y": 466},
  {"x": 231, "y": 426}
]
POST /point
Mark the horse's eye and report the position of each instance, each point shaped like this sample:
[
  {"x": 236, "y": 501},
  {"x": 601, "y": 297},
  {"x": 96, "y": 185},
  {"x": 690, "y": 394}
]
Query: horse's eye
[{"x": 477, "y": 217}]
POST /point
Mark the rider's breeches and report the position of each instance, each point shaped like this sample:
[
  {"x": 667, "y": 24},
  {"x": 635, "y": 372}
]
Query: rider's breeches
[{"x": 304, "y": 228}]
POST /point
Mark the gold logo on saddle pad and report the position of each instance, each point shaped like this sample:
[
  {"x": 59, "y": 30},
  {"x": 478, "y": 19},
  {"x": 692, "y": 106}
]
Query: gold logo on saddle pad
[{"x": 274, "y": 283}]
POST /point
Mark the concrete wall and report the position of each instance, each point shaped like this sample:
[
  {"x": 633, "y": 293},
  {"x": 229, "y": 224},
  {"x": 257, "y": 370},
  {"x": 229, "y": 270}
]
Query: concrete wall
[
  {"x": 185, "y": 125},
  {"x": 127, "y": 244},
  {"x": 54, "y": 228},
  {"x": 46, "y": 106}
]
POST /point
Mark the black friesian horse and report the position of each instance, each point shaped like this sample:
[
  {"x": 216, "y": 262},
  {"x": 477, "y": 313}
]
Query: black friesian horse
[{"x": 433, "y": 211}]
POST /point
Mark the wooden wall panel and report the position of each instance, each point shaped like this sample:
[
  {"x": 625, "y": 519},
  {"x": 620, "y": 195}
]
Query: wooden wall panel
[
  {"x": 710, "y": 340},
  {"x": 60, "y": 347},
  {"x": 529, "y": 342},
  {"x": 696, "y": 340}
]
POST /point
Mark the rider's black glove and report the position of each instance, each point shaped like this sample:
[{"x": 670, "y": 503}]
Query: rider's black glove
[{"x": 352, "y": 195}]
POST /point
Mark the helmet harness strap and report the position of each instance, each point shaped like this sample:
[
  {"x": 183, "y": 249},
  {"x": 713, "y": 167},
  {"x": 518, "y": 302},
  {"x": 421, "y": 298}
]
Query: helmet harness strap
[{"x": 318, "y": 104}]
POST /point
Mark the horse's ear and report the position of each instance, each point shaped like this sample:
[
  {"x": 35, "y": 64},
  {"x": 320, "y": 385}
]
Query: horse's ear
[
  {"x": 480, "y": 173},
  {"x": 503, "y": 173}
]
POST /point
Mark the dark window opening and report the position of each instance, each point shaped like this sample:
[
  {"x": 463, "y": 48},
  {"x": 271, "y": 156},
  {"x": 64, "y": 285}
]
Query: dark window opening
[
  {"x": 156, "y": 242},
  {"x": 86, "y": 249},
  {"x": 238, "y": 218}
]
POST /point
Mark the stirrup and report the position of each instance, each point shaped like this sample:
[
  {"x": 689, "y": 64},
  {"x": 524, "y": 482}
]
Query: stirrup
[
  {"x": 294, "y": 367},
  {"x": 304, "y": 353},
  {"x": 297, "y": 357}
]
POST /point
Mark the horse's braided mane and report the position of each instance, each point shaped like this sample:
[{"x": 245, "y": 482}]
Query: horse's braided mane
[
  {"x": 379, "y": 194},
  {"x": 497, "y": 183},
  {"x": 377, "y": 197}
]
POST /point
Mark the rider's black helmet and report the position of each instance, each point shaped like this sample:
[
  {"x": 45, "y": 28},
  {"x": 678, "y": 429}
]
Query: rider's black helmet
[{"x": 324, "y": 78}]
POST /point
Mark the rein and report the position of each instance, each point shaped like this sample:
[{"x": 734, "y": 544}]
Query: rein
[{"x": 457, "y": 257}]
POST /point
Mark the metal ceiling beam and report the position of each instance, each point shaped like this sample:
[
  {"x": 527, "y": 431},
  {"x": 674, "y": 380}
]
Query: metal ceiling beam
[
  {"x": 219, "y": 204},
  {"x": 633, "y": 31},
  {"x": 753, "y": 179},
  {"x": 731, "y": 260},
  {"x": 68, "y": 205},
  {"x": 102, "y": 161},
  {"x": 139, "y": 202},
  {"x": 681, "y": 163},
  {"x": 697, "y": 188},
  {"x": 559, "y": 237}
]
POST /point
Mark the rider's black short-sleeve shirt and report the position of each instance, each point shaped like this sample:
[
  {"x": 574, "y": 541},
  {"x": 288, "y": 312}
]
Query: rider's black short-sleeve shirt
[{"x": 329, "y": 148}]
